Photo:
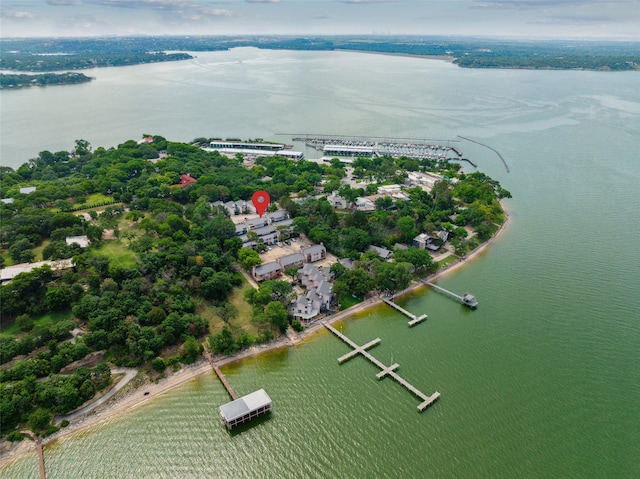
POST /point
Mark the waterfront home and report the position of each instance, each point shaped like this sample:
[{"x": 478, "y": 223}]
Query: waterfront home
[{"x": 424, "y": 241}]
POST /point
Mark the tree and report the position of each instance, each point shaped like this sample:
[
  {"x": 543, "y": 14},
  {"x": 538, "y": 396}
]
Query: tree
[
  {"x": 20, "y": 251},
  {"x": 223, "y": 342},
  {"x": 24, "y": 322},
  {"x": 248, "y": 258},
  {"x": 39, "y": 420},
  {"x": 276, "y": 314},
  {"x": 191, "y": 350},
  {"x": 406, "y": 228}
]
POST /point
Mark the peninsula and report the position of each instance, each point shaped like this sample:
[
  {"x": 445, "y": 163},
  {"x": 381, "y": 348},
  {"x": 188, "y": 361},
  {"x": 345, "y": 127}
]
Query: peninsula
[{"x": 141, "y": 256}]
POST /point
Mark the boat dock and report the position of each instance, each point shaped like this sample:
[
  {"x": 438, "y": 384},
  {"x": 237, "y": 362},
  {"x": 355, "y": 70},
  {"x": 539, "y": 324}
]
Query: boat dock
[
  {"x": 222, "y": 377},
  {"x": 384, "y": 370},
  {"x": 467, "y": 299},
  {"x": 414, "y": 319}
]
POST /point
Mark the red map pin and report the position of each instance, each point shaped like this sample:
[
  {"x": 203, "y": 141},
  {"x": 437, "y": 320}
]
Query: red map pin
[{"x": 261, "y": 201}]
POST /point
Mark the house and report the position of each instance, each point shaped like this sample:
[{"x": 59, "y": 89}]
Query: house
[
  {"x": 186, "y": 180},
  {"x": 27, "y": 190},
  {"x": 7, "y": 201},
  {"x": 310, "y": 277},
  {"x": 364, "y": 204},
  {"x": 10, "y": 272},
  {"x": 82, "y": 241},
  {"x": 388, "y": 189},
  {"x": 337, "y": 201},
  {"x": 319, "y": 293},
  {"x": 346, "y": 262},
  {"x": 266, "y": 271},
  {"x": 314, "y": 253},
  {"x": 424, "y": 241},
  {"x": 294, "y": 259},
  {"x": 384, "y": 253}
]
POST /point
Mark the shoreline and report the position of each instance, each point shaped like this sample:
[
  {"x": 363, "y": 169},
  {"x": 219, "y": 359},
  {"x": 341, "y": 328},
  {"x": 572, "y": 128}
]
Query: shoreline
[{"x": 139, "y": 394}]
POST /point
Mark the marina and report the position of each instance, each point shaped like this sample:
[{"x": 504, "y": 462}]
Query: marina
[
  {"x": 332, "y": 145},
  {"x": 384, "y": 370}
]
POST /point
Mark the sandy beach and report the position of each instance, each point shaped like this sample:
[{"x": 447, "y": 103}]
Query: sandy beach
[{"x": 140, "y": 390}]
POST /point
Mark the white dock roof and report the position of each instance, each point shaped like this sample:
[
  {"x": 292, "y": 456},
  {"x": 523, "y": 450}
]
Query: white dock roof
[{"x": 244, "y": 405}]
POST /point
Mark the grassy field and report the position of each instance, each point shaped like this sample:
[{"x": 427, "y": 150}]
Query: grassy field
[
  {"x": 118, "y": 253},
  {"x": 44, "y": 320}
]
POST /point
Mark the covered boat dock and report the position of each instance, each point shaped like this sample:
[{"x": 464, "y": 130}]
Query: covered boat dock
[{"x": 245, "y": 408}]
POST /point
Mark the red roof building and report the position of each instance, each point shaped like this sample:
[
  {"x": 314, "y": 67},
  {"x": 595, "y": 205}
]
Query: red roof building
[{"x": 186, "y": 180}]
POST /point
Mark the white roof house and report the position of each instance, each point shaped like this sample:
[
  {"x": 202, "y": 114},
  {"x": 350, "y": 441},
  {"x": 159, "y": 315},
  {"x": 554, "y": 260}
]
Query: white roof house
[
  {"x": 10, "y": 272},
  {"x": 82, "y": 241},
  {"x": 28, "y": 189}
]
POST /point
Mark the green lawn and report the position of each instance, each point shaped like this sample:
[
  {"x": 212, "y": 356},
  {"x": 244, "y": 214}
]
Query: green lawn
[
  {"x": 347, "y": 300},
  {"x": 47, "y": 320},
  {"x": 118, "y": 252}
]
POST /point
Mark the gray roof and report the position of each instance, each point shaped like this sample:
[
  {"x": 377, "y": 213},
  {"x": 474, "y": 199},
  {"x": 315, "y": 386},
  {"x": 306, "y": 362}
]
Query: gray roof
[
  {"x": 244, "y": 405},
  {"x": 291, "y": 259},
  {"x": 267, "y": 268},
  {"x": 316, "y": 248}
]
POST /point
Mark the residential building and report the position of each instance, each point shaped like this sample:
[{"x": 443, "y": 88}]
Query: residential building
[
  {"x": 384, "y": 253},
  {"x": 267, "y": 271},
  {"x": 294, "y": 259},
  {"x": 314, "y": 253}
]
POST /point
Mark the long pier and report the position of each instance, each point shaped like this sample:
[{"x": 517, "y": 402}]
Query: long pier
[
  {"x": 414, "y": 319},
  {"x": 467, "y": 299},
  {"x": 222, "y": 377},
  {"x": 40, "y": 452},
  {"x": 384, "y": 370}
]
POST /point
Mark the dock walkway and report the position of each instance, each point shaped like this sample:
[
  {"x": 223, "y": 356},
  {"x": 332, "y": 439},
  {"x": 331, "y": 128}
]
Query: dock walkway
[
  {"x": 468, "y": 299},
  {"x": 384, "y": 370},
  {"x": 414, "y": 319},
  {"x": 222, "y": 377},
  {"x": 40, "y": 452}
]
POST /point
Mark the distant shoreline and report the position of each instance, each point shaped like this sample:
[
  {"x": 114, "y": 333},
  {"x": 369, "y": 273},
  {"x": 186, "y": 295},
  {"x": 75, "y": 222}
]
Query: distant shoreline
[{"x": 141, "y": 394}]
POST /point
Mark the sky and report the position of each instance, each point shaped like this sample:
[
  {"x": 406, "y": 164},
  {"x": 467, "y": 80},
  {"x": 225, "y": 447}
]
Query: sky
[{"x": 579, "y": 19}]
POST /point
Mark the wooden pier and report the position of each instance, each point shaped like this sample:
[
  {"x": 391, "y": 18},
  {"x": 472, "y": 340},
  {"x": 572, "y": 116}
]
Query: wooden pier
[
  {"x": 40, "y": 452},
  {"x": 222, "y": 377},
  {"x": 467, "y": 299},
  {"x": 414, "y": 319},
  {"x": 384, "y": 370}
]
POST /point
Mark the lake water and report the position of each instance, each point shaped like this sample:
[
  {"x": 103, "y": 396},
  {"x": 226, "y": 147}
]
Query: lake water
[{"x": 541, "y": 381}]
